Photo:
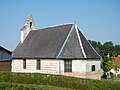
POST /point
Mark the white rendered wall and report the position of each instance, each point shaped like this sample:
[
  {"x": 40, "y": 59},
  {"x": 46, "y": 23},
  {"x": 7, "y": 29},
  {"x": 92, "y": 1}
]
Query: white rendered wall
[
  {"x": 82, "y": 65},
  {"x": 54, "y": 65},
  {"x": 79, "y": 65},
  {"x": 80, "y": 68},
  {"x": 89, "y": 64},
  {"x": 47, "y": 66}
]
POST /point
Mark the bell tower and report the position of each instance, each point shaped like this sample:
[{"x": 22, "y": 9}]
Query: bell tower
[{"x": 28, "y": 26}]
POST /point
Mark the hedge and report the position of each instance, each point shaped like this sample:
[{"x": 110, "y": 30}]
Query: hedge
[{"x": 59, "y": 81}]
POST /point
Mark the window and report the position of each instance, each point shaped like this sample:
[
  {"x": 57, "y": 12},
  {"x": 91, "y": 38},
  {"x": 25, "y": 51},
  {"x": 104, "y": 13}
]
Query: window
[
  {"x": 38, "y": 64},
  {"x": 24, "y": 63},
  {"x": 30, "y": 24},
  {"x": 93, "y": 67},
  {"x": 67, "y": 65}
]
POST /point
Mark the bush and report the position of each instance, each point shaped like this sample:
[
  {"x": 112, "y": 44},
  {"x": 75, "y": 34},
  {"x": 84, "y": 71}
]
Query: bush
[{"x": 57, "y": 80}]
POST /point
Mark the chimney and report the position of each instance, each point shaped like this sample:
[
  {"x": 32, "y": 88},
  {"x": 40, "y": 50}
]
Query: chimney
[{"x": 28, "y": 26}]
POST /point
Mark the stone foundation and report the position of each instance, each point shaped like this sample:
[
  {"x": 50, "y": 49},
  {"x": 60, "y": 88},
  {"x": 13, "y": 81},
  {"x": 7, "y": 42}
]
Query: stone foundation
[
  {"x": 89, "y": 75},
  {"x": 94, "y": 75}
]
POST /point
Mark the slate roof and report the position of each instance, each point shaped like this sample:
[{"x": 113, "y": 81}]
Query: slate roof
[
  {"x": 47, "y": 43},
  {"x": 89, "y": 50},
  {"x": 5, "y": 54},
  {"x": 2, "y": 48}
]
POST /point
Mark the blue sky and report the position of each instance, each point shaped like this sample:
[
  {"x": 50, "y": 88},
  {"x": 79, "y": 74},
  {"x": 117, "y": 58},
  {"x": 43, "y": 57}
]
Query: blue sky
[{"x": 98, "y": 19}]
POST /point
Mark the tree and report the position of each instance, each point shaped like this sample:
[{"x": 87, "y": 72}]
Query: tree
[
  {"x": 108, "y": 48},
  {"x": 97, "y": 46},
  {"x": 108, "y": 65},
  {"x": 108, "y": 51},
  {"x": 117, "y": 50}
]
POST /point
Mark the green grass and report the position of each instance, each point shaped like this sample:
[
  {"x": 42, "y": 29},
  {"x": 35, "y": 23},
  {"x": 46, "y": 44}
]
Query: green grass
[
  {"x": 18, "y": 86},
  {"x": 47, "y": 81}
]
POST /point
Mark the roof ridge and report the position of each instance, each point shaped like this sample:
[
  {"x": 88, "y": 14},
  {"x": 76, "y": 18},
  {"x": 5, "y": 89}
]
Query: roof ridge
[
  {"x": 57, "y": 25},
  {"x": 65, "y": 40},
  {"x": 80, "y": 42}
]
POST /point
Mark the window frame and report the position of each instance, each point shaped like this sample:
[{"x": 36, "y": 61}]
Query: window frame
[
  {"x": 67, "y": 65},
  {"x": 93, "y": 68},
  {"x": 24, "y": 63},
  {"x": 38, "y": 64}
]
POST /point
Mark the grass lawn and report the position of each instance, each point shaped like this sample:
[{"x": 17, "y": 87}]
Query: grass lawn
[
  {"x": 35, "y": 81},
  {"x": 19, "y": 86}
]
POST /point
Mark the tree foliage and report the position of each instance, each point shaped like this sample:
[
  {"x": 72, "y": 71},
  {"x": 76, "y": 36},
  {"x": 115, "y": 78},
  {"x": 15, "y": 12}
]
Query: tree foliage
[{"x": 108, "y": 51}]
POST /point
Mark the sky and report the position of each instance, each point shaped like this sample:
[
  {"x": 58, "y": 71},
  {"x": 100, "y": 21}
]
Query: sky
[{"x": 98, "y": 20}]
